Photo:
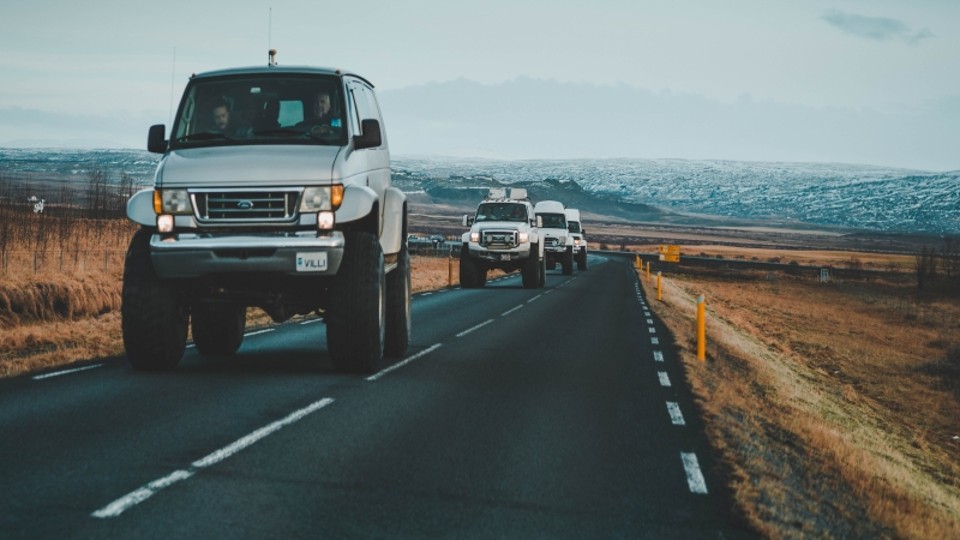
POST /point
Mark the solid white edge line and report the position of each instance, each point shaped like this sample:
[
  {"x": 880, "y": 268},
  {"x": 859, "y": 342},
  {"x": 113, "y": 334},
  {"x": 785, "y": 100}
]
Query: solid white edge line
[
  {"x": 653, "y": 330},
  {"x": 141, "y": 494},
  {"x": 664, "y": 379},
  {"x": 675, "y": 415},
  {"x": 64, "y": 372},
  {"x": 654, "y": 341},
  {"x": 477, "y": 327},
  {"x": 509, "y": 311},
  {"x": 649, "y": 321},
  {"x": 311, "y": 321},
  {"x": 695, "y": 478},
  {"x": 409, "y": 359},
  {"x": 258, "y": 332}
]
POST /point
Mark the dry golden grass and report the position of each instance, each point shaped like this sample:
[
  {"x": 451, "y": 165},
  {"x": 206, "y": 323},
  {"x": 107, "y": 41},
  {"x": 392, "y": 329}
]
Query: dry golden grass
[
  {"x": 50, "y": 317},
  {"x": 820, "y": 400}
]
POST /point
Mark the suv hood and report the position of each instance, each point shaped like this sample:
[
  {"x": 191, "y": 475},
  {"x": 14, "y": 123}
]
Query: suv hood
[
  {"x": 248, "y": 165},
  {"x": 501, "y": 225}
]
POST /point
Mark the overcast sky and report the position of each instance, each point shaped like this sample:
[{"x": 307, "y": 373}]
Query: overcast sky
[{"x": 112, "y": 61}]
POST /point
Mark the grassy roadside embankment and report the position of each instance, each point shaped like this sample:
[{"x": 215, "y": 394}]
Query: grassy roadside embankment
[
  {"x": 834, "y": 405},
  {"x": 60, "y": 282},
  {"x": 54, "y": 320}
]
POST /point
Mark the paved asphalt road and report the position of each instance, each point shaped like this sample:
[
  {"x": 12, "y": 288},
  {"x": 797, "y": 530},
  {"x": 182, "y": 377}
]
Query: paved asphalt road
[{"x": 551, "y": 413}]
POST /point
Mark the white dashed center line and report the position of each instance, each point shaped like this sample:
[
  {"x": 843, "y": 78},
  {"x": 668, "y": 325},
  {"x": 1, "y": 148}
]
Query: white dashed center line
[
  {"x": 137, "y": 496},
  {"x": 664, "y": 379},
  {"x": 477, "y": 327},
  {"x": 409, "y": 359}
]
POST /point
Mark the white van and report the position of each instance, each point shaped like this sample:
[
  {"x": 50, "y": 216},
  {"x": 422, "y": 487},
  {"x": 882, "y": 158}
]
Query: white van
[{"x": 286, "y": 204}]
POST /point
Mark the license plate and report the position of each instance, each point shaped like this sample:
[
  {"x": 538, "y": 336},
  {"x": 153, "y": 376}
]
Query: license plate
[
  {"x": 311, "y": 262},
  {"x": 505, "y": 257}
]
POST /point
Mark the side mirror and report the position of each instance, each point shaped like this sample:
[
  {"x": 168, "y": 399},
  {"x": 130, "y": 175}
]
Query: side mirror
[
  {"x": 539, "y": 222},
  {"x": 583, "y": 232},
  {"x": 467, "y": 220},
  {"x": 370, "y": 136},
  {"x": 157, "y": 139}
]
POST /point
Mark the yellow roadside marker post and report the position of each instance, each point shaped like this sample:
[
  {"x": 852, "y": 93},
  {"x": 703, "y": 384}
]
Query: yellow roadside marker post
[
  {"x": 701, "y": 329},
  {"x": 648, "y": 270},
  {"x": 659, "y": 280}
]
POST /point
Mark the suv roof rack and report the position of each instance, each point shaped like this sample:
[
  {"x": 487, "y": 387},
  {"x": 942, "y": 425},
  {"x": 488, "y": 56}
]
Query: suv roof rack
[{"x": 519, "y": 194}]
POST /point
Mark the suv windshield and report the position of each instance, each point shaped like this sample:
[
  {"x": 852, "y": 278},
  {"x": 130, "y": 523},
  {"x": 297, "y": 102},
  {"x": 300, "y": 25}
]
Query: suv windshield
[
  {"x": 501, "y": 212},
  {"x": 262, "y": 109},
  {"x": 554, "y": 221}
]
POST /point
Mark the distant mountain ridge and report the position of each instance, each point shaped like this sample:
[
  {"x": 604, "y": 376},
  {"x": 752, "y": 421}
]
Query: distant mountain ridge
[{"x": 701, "y": 192}]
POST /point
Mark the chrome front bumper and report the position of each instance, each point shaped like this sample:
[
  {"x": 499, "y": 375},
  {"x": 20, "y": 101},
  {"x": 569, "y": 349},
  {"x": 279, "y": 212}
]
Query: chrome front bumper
[{"x": 304, "y": 253}]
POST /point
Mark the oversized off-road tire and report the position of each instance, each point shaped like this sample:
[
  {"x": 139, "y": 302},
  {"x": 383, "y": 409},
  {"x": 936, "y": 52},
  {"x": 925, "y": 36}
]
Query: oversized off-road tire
[
  {"x": 531, "y": 269},
  {"x": 471, "y": 275},
  {"x": 567, "y": 262},
  {"x": 356, "y": 315},
  {"x": 153, "y": 320},
  {"x": 218, "y": 328},
  {"x": 582, "y": 259},
  {"x": 398, "y": 306}
]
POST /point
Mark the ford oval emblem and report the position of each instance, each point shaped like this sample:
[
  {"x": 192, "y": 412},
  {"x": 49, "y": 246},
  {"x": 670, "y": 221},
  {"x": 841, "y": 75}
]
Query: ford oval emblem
[{"x": 245, "y": 204}]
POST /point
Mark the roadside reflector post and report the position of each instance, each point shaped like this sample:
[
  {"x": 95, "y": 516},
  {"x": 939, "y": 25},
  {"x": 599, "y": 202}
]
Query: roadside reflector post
[
  {"x": 450, "y": 271},
  {"x": 701, "y": 329},
  {"x": 659, "y": 283},
  {"x": 636, "y": 262},
  {"x": 648, "y": 270}
]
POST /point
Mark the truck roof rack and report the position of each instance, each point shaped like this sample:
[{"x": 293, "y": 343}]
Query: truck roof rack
[{"x": 517, "y": 194}]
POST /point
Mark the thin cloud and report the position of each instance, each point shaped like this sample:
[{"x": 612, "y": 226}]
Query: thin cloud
[{"x": 876, "y": 28}]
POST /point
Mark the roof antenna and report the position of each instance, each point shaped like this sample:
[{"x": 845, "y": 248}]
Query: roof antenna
[
  {"x": 272, "y": 54},
  {"x": 173, "y": 76}
]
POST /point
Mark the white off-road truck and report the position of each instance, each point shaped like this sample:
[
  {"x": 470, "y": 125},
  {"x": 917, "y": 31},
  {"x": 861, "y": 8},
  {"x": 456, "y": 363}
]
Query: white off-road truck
[
  {"x": 557, "y": 242},
  {"x": 578, "y": 233},
  {"x": 274, "y": 191},
  {"x": 503, "y": 234}
]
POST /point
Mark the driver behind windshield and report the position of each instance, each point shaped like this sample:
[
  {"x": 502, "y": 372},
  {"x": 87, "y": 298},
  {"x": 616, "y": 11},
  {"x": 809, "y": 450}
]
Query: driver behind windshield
[
  {"x": 223, "y": 122},
  {"x": 322, "y": 120}
]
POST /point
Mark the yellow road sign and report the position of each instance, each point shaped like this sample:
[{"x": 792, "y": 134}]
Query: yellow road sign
[{"x": 669, "y": 253}]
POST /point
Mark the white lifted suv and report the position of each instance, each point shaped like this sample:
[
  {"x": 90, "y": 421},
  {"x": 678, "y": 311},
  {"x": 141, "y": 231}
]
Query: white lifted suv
[
  {"x": 557, "y": 242},
  {"x": 273, "y": 191},
  {"x": 578, "y": 233},
  {"x": 503, "y": 234}
]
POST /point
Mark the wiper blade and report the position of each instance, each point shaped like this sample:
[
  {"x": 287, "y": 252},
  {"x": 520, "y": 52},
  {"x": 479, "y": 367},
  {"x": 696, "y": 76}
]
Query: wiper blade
[
  {"x": 278, "y": 131},
  {"x": 206, "y": 136},
  {"x": 289, "y": 131}
]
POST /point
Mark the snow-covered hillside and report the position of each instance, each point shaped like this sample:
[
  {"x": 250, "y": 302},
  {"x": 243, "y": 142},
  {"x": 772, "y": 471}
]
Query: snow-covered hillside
[{"x": 832, "y": 195}]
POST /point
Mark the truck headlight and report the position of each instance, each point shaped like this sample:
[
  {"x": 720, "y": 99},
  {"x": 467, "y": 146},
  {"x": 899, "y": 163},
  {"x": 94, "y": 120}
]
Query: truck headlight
[
  {"x": 321, "y": 198},
  {"x": 172, "y": 201},
  {"x": 475, "y": 237},
  {"x": 523, "y": 237}
]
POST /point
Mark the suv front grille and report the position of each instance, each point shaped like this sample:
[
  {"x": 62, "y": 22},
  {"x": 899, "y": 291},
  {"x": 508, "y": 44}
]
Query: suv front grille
[
  {"x": 246, "y": 205},
  {"x": 551, "y": 242},
  {"x": 499, "y": 239}
]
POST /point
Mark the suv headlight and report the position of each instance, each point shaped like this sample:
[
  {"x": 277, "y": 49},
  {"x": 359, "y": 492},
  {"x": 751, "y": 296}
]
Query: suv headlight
[
  {"x": 475, "y": 237},
  {"x": 321, "y": 198},
  {"x": 523, "y": 237},
  {"x": 172, "y": 201}
]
